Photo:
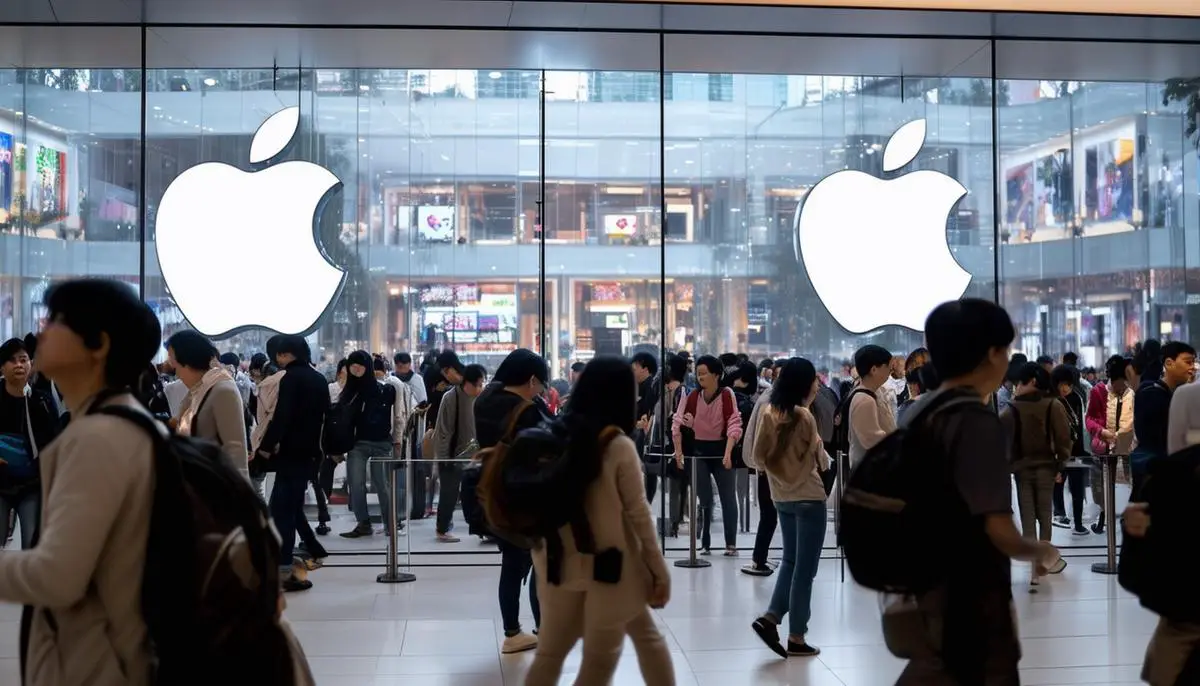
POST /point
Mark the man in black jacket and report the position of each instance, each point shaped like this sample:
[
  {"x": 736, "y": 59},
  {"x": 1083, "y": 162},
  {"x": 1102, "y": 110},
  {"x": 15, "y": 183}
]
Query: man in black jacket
[{"x": 292, "y": 446}]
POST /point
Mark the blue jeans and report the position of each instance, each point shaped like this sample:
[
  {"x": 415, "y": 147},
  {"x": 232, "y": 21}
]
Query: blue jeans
[
  {"x": 28, "y": 506},
  {"x": 803, "y": 526},
  {"x": 356, "y": 479}
]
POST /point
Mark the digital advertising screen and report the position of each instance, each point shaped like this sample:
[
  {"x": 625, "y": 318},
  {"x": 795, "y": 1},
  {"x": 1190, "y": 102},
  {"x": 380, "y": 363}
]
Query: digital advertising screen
[{"x": 436, "y": 222}]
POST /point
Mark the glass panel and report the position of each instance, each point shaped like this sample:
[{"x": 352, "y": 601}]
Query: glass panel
[
  {"x": 742, "y": 279},
  {"x": 1098, "y": 184},
  {"x": 70, "y": 161}
]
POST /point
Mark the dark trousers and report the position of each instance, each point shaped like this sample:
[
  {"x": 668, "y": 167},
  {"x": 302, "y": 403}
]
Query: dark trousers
[
  {"x": 1076, "y": 480},
  {"x": 768, "y": 519},
  {"x": 322, "y": 486},
  {"x": 709, "y": 470},
  {"x": 515, "y": 566},
  {"x": 651, "y": 480},
  {"x": 449, "y": 476},
  {"x": 287, "y": 512}
]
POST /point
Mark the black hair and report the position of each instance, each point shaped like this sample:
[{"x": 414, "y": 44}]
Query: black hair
[
  {"x": 359, "y": 386},
  {"x": 11, "y": 348},
  {"x": 781, "y": 361},
  {"x": 230, "y": 359},
  {"x": 1063, "y": 374},
  {"x": 792, "y": 386},
  {"x": 295, "y": 346},
  {"x": 712, "y": 364},
  {"x": 676, "y": 368},
  {"x": 577, "y": 367},
  {"x": 258, "y": 361},
  {"x": 647, "y": 361},
  {"x": 869, "y": 357},
  {"x": 520, "y": 366},
  {"x": 1147, "y": 359},
  {"x": 767, "y": 364},
  {"x": 747, "y": 372},
  {"x": 474, "y": 373},
  {"x": 605, "y": 395},
  {"x": 960, "y": 335},
  {"x": 1176, "y": 348},
  {"x": 30, "y": 342},
  {"x": 1045, "y": 359},
  {"x": 378, "y": 363},
  {"x": 1071, "y": 359},
  {"x": 1114, "y": 368},
  {"x": 1019, "y": 358},
  {"x": 1032, "y": 371},
  {"x": 96, "y": 309},
  {"x": 402, "y": 358},
  {"x": 916, "y": 358},
  {"x": 914, "y": 377},
  {"x": 728, "y": 359},
  {"x": 273, "y": 346},
  {"x": 342, "y": 364},
  {"x": 192, "y": 349},
  {"x": 742, "y": 357},
  {"x": 448, "y": 359}
]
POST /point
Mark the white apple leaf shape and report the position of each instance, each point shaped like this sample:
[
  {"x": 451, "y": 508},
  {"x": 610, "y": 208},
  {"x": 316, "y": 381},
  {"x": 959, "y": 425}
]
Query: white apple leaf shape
[
  {"x": 274, "y": 134},
  {"x": 903, "y": 146}
]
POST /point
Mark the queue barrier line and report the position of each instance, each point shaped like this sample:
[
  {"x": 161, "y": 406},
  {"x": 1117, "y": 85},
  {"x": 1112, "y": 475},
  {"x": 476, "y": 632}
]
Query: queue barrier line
[{"x": 1109, "y": 465}]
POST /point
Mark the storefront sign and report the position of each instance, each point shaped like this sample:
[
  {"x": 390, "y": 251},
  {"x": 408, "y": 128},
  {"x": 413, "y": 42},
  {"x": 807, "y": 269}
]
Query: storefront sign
[{"x": 854, "y": 218}]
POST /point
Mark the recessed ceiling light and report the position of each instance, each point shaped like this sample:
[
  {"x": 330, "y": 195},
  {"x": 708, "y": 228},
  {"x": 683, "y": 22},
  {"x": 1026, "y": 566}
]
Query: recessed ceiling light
[
  {"x": 156, "y": 109},
  {"x": 210, "y": 81},
  {"x": 364, "y": 87},
  {"x": 494, "y": 75}
]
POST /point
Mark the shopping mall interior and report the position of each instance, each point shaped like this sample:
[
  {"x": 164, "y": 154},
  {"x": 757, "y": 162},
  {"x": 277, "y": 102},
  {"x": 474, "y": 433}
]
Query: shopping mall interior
[{"x": 603, "y": 178}]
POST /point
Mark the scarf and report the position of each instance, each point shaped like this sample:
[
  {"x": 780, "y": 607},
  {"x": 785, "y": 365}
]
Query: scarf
[{"x": 195, "y": 397}]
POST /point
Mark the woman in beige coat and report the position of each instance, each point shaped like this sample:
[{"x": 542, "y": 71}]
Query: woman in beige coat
[
  {"x": 81, "y": 583},
  {"x": 605, "y": 595}
]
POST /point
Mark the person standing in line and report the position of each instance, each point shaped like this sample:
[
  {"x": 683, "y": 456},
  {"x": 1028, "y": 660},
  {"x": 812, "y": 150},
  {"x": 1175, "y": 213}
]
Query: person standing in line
[
  {"x": 454, "y": 433},
  {"x": 1040, "y": 432},
  {"x": 405, "y": 372},
  {"x": 603, "y": 606},
  {"x": 213, "y": 406},
  {"x": 1152, "y": 404},
  {"x": 29, "y": 421},
  {"x": 509, "y": 402},
  {"x": 1064, "y": 387},
  {"x": 788, "y": 448},
  {"x": 768, "y": 517},
  {"x": 82, "y": 580},
  {"x": 871, "y": 418},
  {"x": 370, "y": 404},
  {"x": 233, "y": 365},
  {"x": 654, "y": 433},
  {"x": 1110, "y": 423},
  {"x": 710, "y": 413},
  {"x": 291, "y": 446}
]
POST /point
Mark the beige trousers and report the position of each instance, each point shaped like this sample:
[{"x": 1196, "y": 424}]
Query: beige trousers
[{"x": 568, "y": 616}]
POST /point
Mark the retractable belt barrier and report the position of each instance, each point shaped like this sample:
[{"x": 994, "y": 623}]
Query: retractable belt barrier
[{"x": 1109, "y": 468}]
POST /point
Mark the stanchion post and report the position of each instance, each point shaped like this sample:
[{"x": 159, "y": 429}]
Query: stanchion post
[
  {"x": 392, "y": 574},
  {"x": 843, "y": 467},
  {"x": 1109, "y": 566},
  {"x": 692, "y": 562}
]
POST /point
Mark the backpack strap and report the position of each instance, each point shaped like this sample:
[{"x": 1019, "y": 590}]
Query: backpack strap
[{"x": 693, "y": 398}]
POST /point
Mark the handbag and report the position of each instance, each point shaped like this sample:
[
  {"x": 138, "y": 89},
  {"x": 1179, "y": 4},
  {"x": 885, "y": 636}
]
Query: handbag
[{"x": 828, "y": 475}]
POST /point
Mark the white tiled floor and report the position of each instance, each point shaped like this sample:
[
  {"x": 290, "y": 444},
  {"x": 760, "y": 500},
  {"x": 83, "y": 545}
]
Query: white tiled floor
[{"x": 445, "y": 629}]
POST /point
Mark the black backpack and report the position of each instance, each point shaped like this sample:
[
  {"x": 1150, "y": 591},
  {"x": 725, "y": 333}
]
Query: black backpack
[
  {"x": 745, "y": 406},
  {"x": 895, "y": 496},
  {"x": 841, "y": 423},
  {"x": 532, "y": 488},
  {"x": 1158, "y": 567},
  {"x": 210, "y": 592},
  {"x": 337, "y": 438}
]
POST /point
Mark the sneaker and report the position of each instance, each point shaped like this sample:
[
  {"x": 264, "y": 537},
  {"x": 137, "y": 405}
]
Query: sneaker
[
  {"x": 1080, "y": 530},
  {"x": 705, "y": 551},
  {"x": 1098, "y": 525},
  {"x": 731, "y": 552},
  {"x": 802, "y": 649},
  {"x": 447, "y": 538},
  {"x": 754, "y": 569},
  {"x": 1062, "y": 522},
  {"x": 518, "y": 644},
  {"x": 769, "y": 633},
  {"x": 292, "y": 584},
  {"x": 362, "y": 530}
]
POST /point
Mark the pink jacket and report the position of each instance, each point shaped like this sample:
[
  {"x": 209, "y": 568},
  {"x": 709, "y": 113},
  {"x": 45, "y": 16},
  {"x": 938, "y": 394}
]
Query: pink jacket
[
  {"x": 1097, "y": 409},
  {"x": 710, "y": 422}
]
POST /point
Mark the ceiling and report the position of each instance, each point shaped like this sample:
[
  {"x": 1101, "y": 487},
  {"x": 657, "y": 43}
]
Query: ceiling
[{"x": 989, "y": 18}]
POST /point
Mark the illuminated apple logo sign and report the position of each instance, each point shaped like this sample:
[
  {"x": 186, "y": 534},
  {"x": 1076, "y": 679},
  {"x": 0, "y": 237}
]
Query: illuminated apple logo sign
[
  {"x": 213, "y": 215},
  {"x": 854, "y": 229}
]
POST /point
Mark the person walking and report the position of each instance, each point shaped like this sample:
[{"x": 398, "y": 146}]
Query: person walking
[{"x": 788, "y": 448}]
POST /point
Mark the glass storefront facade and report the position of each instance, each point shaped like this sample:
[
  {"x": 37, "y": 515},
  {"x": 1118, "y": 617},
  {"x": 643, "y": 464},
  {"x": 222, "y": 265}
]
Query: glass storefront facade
[
  {"x": 649, "y": 199},
  {"x": 602, "y": 191}
]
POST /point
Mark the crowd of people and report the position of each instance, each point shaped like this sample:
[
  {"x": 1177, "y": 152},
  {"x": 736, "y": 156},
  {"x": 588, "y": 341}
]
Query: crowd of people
[{"x": 559, "y": 476}]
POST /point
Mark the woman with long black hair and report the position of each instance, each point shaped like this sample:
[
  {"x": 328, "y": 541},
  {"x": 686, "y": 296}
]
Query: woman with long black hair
[
  {"x": 788, "y": 447},
  {"x": 372, "y": 403},
  {"x": 603, "y": 595}
]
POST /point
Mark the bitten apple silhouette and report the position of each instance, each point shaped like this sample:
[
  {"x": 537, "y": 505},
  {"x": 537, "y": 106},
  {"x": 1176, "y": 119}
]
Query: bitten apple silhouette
[
  {"x": 856, "y": 232},
  {"x": 214, "y": 214}
]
